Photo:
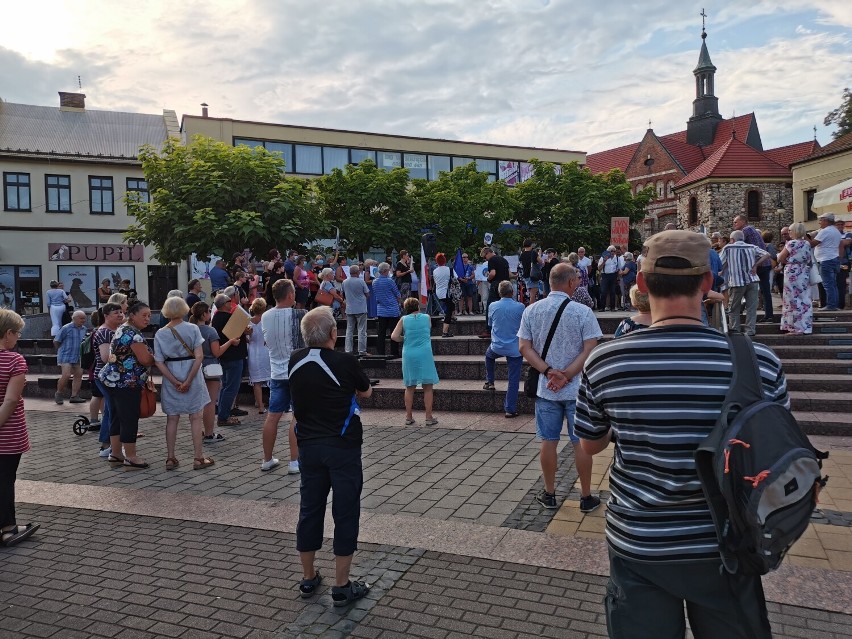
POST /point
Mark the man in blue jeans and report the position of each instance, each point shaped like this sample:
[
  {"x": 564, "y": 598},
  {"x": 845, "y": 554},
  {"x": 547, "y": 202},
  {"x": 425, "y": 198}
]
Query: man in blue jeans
[
  {"x": 232, "y": 360},
  {"x": 504, "y": 316},
  {"x": 827, "y": 253},
  {"x": 576, "y": 335}
]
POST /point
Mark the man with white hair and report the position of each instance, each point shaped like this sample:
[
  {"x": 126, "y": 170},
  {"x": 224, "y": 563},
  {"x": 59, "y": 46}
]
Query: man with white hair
[
  {"x": 609, "y": 264},
  {"x": 356, "y": 292},
  {"x": 739, "y": 268},
  {"x": 67, "y": 343},
  {"x": 326, "y": 385}
]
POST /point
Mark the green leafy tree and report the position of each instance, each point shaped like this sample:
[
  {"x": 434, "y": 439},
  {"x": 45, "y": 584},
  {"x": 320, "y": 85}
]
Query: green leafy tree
[
  {"x": 461, "y": 205},
  {"x": 371, "y": 206},
  {"x": 212, "y": 198},
  {"x": 841, "y": 116},
  {"x": 574, "y": 206}
]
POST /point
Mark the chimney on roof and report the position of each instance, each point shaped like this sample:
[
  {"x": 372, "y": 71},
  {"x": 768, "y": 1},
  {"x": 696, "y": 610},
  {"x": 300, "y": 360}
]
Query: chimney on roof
[
  {"x": 204, "y": 112},
  {"x": 72, "y": 101}
]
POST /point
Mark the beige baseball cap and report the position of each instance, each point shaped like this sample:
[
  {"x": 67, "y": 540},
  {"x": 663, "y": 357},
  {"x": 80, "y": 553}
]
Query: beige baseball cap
[{"x": 689, "y": 246}]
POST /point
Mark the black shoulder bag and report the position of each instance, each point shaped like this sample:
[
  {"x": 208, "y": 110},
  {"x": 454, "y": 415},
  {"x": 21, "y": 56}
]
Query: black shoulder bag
[{"x": 531, "y": 382}]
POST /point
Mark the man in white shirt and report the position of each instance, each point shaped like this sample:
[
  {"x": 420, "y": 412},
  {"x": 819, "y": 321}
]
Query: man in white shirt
[
  {"x": 608, "y": 266},
  {"x": 281, "y": 333},
  {"x": 826, "y": 251}
]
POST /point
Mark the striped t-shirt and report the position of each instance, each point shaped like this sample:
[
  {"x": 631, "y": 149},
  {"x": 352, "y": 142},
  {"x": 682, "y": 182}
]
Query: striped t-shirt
[
  {"x": 738, "y": 259},
  {"x": 660, "y": 390},
  {"x": 13, "y": 433}
]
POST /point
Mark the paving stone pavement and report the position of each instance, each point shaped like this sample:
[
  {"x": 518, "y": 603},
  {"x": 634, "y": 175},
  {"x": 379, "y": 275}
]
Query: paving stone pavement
[{"x": 92, "y": 572}]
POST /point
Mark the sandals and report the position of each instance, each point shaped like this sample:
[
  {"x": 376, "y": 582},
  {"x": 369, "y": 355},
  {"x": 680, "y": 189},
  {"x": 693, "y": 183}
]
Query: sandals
[
  {"x": 9, "y": 538},
  {"x": 112, "y": 459},
  {"x": 129, "y": 465},
  {"x": 431, "y": 422},
  {"x": 307, "y": 587},
  {"x": 409, "y": 421},
  {"x": 202, "y": 462},
  {"x": 231, "y": 421},
  {"x": 343, "y": 596},
  {"x": 172, "y": 463}
]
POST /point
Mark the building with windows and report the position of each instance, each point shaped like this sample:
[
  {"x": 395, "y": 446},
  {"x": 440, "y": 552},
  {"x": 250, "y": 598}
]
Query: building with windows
[
  {"x": 66, "y": 171},
  {"x": 311, "y": 152},
  {"x": 830, "y": 165},
  {"x": 714, "y": 170}
]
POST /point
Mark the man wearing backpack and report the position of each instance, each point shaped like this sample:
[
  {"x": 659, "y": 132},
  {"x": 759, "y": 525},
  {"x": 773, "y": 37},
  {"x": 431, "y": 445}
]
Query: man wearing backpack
[{"x": 672, "y": 381}]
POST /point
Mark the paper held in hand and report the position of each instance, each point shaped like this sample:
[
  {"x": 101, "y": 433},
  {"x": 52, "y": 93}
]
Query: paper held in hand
[{"x": 237, "y": 323}]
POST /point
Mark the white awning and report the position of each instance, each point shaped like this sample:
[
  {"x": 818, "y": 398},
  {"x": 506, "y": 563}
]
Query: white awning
[{"x": 835, "y": 199}]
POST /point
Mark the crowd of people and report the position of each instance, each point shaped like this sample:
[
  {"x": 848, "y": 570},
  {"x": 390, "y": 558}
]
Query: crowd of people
[{"x": 283, "y": 333}]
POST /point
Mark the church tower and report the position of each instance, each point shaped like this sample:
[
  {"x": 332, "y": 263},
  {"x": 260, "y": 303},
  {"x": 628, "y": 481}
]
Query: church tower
[{"x": 701, "y": 127}]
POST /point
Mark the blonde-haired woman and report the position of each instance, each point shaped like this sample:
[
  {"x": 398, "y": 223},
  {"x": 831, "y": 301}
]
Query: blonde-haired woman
[
  {"x": 14, "y": 440},
  {"x": 797, "y": 313},
  {"x": 120, "y": 299},
  {"x": 178, "y": 354},
  {"x": 642, "y": 319},
  {"x": 259, "y": 365},
  {"x": 338, "y": 305}
]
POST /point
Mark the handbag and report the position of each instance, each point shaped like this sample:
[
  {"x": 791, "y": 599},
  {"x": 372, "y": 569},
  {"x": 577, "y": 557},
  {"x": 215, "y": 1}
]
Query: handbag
[
  {"x": 531, "y": 382},
  {"x": 815, "y": 277},
  {"x": 324, "y": 298},
  {"x": 212, "y": 371},
  {"x": 148, "y": 400},
  {"x": 455, "y": 290}
]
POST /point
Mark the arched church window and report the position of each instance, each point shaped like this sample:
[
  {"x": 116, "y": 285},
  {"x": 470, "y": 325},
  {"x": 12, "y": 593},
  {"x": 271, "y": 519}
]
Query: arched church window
[
  {"x": 660, "y": 190},
  {"x": 753, "y": 205},
  {"x": 670, "y": 189},
  {"x": 693, "y": 211}
]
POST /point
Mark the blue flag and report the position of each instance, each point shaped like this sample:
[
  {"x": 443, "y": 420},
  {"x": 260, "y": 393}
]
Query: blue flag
[{"x": 458, "y": 264}]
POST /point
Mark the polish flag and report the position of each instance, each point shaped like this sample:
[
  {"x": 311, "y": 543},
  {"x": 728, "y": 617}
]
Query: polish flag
[{"x": 424, "y": 277}]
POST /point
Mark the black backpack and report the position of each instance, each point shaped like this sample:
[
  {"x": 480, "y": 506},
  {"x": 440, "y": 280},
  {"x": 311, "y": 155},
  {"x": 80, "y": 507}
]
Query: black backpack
[
  {"x": 759, "y": 472},
  {"x": 87, "y": 353}
]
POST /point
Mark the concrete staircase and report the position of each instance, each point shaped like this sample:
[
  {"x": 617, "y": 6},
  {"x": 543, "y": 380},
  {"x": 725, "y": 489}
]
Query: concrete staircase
[{"x": 818, "y": 368}]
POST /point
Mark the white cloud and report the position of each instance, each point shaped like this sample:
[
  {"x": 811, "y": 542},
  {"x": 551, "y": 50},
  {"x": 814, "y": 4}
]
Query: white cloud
[{"x": 554, "y": 73}]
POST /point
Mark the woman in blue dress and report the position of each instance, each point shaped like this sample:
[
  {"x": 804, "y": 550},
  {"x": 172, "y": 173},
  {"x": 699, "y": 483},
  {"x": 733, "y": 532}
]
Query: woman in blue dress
[{"x": 414, "y": 330}]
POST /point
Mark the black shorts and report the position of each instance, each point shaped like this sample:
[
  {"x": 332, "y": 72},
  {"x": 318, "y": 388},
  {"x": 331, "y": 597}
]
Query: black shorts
[{"x": 302, "y": 295}]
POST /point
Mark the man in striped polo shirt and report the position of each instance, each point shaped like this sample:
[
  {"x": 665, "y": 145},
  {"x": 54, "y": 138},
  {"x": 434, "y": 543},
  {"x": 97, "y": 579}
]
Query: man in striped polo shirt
[
  {"x": 740, "y": 262},
  {"x": 657, "y": 394}
]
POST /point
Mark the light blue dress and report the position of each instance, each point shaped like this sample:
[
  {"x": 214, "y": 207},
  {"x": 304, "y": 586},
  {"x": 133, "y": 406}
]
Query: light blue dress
[{"x": 418, "y": 364}]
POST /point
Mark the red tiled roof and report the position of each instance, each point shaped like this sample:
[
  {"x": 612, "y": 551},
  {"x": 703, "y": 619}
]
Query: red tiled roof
[
  {"x": 617, "y": 158},
  {"x": 786, "y": 155},
  {"x": 736, "y": 159},
  {"x": 843, "y": 143},
  {"x": 688, "y": 156}
]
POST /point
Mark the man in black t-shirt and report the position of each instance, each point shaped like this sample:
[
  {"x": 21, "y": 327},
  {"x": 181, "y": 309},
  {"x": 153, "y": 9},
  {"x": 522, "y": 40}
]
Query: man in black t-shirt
[
  {"x": 403, "y": 272},
  {"x": 325, "y": 385},
  {"x": 498, "y": 270},
  {"x": 529, "y": 257}
]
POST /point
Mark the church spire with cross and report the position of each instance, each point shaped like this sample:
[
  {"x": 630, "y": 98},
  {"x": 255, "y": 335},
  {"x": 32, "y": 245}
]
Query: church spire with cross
[{"x": 701, "y": 127}]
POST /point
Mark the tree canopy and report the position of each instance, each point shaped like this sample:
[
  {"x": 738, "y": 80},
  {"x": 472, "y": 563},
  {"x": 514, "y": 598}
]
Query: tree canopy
[
  {"x": 211, "y": 198},
  {"x": 841, "y": 116}
]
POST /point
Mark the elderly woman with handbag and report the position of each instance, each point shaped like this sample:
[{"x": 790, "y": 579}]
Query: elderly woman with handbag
[
  {"x": 211, "y": 369},
  {"x": 179, "y": 355},
  {"x": 328, "y": 295},
  {"x": 124, "y": 375}
]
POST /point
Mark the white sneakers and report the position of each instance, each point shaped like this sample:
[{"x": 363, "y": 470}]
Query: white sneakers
[
  {"x": 269, "y": 465},
  {"x": 292, "y": 467},
  {"x": 105, "y": 452}
]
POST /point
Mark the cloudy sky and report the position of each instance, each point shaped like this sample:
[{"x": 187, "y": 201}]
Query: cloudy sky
[{"x": 577, "y": 75}]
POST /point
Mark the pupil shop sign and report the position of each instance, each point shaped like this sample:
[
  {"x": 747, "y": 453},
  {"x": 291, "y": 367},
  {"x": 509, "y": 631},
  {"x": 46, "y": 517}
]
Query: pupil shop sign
[
  {"x": 620, "y": 232},
  {"x": 96, "y": 253}
]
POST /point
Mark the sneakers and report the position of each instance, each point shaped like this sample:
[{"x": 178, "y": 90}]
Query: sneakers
[
  {"x": 238, "y": 412},
  {"x": 588, "y": 504},
  {"x": 59, "y": 399},
  {"x": 488, "y": 386},
  {"x": 215, "y": 438},
  {"x": 269, "y": 465},
  {"x": 76, "y": 399},
  {"x": 342, "y": 596},
  {"x": 105, "y": 452},
  {"x": 546, "y": 499},
  {"x": 293, "y": 467}
]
